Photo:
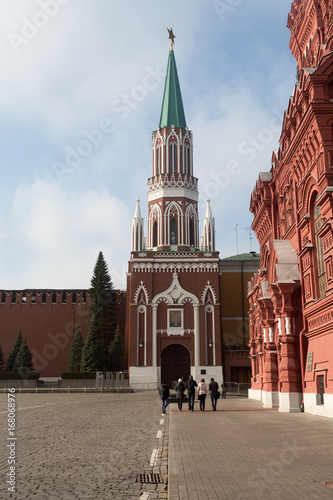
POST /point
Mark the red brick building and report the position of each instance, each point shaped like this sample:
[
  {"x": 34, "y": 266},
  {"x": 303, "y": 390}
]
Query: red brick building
[
  {"x": 173, "y": 303},
  {"x": 291, "y": 296}
]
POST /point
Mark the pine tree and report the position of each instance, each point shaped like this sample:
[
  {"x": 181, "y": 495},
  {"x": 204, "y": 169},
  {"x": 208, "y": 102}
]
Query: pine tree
[
  {"x": 91, "y": 352},
  {"x": 10, "y": 366},
  {"x": 115, "y": 352},
  {"x": 23, "y": 361},
  {"x": 75, "y": 352},
  {"x": 102, "y": 309},
  {"x": 2, "y": 359}
]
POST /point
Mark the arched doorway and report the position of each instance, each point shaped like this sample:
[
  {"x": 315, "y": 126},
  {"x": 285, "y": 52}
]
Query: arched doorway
[{"x": 175, "y": 363}]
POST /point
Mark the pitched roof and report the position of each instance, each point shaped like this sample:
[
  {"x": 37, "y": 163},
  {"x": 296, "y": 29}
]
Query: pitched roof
[
  {"x": 172, "y": 112},
  {"x": 244, "y": 256}
]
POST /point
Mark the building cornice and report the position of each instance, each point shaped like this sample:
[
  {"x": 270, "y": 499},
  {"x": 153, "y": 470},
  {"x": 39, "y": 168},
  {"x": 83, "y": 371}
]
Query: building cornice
[{"x": 172, "y": 192}]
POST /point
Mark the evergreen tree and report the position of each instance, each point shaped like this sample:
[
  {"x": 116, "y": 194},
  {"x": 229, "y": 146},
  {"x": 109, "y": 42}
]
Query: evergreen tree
[
  {"x": 23, "y": 361},
  {"x": 75, "y": 352},
  {"x": 2, "y": 359},
  {"x": 102, "y": 309},
  {"x": 91, "y": 352},
  {"x": 10, "y": 366},
  {"x": 115, "y": 352}
]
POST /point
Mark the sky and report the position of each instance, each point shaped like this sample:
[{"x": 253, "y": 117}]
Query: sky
[{"x": 81, "y": 90}]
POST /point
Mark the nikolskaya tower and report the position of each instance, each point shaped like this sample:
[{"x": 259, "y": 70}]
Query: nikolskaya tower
[{"x": 173, "y": 299}]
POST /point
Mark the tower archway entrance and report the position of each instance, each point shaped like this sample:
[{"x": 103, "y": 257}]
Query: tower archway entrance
[{"x": 175, "y": 363}]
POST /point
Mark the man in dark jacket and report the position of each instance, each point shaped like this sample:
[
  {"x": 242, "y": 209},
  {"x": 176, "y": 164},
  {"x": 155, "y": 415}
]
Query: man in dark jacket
[
  {"x": 214, "y": 390},
  {"x": 224, "y": 390},
  {"x": 190, "y": 386},
  {"x": 180, "y": 389},
  {"x": 164, "y": 393}
]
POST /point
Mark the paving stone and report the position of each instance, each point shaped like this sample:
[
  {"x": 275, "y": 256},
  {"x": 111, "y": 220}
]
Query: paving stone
[
  {"x": 83, "y": 446},
  {"x": 88, "y": 446},
  {"x": 243, "y": 451}
]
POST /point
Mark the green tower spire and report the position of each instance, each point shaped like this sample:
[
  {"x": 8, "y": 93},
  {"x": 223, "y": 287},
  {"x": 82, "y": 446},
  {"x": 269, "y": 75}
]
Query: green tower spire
[{"x": 172, "y": 112}]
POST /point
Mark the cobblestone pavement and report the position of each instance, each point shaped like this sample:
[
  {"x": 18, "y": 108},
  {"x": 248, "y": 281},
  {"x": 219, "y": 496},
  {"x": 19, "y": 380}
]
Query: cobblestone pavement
[
  {"x": 243, "y": 451},
  {"x": 85, "y": 446}
]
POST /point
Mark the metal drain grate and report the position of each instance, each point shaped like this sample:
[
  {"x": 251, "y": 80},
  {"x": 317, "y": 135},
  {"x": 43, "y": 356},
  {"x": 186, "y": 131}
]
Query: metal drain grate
[{"x": 149, "y": 478}]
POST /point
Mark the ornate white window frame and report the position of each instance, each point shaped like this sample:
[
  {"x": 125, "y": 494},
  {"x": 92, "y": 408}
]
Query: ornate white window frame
[{"x": 178, "y": 329}]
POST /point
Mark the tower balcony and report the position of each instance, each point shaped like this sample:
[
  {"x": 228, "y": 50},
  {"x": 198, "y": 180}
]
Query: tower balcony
[{"x": 172, "y": 181}]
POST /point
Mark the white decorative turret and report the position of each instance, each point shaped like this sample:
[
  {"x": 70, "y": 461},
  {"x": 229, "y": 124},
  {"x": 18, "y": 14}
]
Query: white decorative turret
[
  {"x": 138, "y": 239},
  {"x": 207, "y": 240}
]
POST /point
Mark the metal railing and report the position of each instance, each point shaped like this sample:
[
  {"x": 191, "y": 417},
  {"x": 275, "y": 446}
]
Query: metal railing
[
  {"x": 143, "y": 386},
  {"x": 238, "y": 387}
]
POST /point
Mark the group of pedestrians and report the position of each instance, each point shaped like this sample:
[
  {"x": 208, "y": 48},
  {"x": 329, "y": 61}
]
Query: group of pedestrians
[{"x": 190, "y": 386}]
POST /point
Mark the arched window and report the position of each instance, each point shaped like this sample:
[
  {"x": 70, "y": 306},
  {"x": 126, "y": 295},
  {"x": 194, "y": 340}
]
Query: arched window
[
  {"x": 173, "y": 232},
  {"x": 172, "y": 157},
  {"x": 191, "y": 233},
  {"x": 319, "y": 249},
  {"x": 187, "y": 160},
  {"x": 158, "y": 160},
  {"x": 155, "y": 234}
]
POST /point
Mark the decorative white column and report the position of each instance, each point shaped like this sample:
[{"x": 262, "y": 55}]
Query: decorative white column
[
  {"x": 210, "y": 309},
  {"x": 154, "y": 333},
  {"x": 214, "y": 343},
  {"x": 142, "y": 310},
  {"x": 288, "y": 326},
  {"x": 145, "y": 341},
  {"x": 196, "y": 333}
]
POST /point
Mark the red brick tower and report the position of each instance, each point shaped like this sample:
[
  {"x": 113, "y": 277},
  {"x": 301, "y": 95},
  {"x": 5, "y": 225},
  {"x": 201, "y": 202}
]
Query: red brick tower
[{"x": 173, "y": 305}]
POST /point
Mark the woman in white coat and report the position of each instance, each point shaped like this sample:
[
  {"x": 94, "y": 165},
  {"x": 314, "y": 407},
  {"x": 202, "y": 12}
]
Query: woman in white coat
[{"x": 202, "y": 391}]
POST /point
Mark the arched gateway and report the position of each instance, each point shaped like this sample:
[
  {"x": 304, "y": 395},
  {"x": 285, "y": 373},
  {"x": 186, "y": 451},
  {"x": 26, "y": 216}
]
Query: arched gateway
[{"x": 175, "y": 363}]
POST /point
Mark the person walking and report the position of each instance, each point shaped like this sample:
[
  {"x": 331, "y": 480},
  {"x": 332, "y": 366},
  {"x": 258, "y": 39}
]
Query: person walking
[
  {"x": 180, "y": 388},
  {"x": 214, "y": 392},
  {"x": 202, "y": 390},
  {"x": 164, "y": 394},
  {"x": 224, "y": 390},
  {"x": 190, "y": 386}
]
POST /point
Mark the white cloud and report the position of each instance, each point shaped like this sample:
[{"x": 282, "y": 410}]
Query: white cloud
[
  {"x": 67, "y": 78},
  {"x": 54, "y": 237}
]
